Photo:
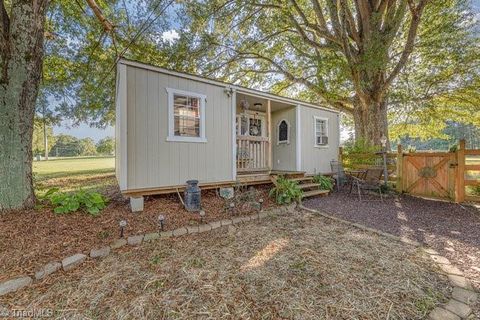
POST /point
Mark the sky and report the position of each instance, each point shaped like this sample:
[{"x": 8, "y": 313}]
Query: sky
[{"x": 84, "y": 130}]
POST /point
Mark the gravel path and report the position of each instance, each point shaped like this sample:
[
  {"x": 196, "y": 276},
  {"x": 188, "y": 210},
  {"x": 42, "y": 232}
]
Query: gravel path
[{"x": 451, "y": 229}]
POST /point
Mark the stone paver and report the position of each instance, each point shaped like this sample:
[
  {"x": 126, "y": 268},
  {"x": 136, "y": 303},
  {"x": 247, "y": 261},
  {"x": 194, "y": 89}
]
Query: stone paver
[
  {"x": 179, "y": 232},
  {"x": 204, "y": 227},
  {"x": 135, "y": 240},
  {"x": 439, "y": 259},
  {"x": 459, "y": 308},
  {"x": 430, "y": 251},
  {"x": 166, "y": 234},
  {"x": 465, "y": 296},
  {"x": 151, "y": 236},
  {"x": 237, "y": 220},
  {"x": 14, "y": 284},
  {"x": 47, "y": 269},
  {"x": 118, "y": 243},
  {"x": 74, "y": 261},
  {"x": 100, "y": 253},
  {"x": 215, "y": 224},
  {"x": 262, "y": 215},
  {"x": 226, "y": 222},
  {"x": 245, "y": 218},
  {"x": 442, "y": 314},
  {"x": 460, "y": 281},
  {"x": 192, "y": 229},
  {"x": 450, "y": 269}
]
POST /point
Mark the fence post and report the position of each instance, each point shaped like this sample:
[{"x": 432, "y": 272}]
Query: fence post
[
  {"x": 460, "y": 176},
  {"x": 399, "y": 185}
]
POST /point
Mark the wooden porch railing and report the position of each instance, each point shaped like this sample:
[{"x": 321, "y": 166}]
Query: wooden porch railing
[{"x": 252, "y": 153}]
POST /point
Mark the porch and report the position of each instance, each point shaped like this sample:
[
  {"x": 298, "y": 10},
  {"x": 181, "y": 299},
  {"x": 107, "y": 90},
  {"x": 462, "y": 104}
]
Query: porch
[{"x": 260, "y": 126}]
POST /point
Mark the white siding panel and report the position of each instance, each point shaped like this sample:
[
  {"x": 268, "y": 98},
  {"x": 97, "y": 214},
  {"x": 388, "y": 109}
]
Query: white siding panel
[
  {"x": 155, "y": 162},
  {"x": 317, "y": 159}
]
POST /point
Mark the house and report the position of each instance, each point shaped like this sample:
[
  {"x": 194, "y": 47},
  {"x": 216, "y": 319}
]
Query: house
[{"x": 172, "y": 127}]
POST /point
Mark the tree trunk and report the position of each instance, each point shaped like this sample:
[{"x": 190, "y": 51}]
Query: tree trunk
[
  {"x": 371, "y": 123},
  {"x": 21, "y": 70}
]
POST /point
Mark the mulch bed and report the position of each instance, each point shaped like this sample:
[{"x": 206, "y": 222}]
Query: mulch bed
[
  {"x": 30, "y": 239},
  {"x": 291, "y": 266},
  {"x": 451, "y": 229}
]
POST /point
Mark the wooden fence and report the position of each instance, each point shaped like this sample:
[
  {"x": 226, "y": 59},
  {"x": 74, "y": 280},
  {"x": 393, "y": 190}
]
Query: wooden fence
[{"x": 446, "y": 175}]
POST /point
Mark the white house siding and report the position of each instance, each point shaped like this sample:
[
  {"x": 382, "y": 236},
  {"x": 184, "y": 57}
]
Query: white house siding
[
  {"x": 317, "y": 159},
  {"x": 284, "y": 155},
  {"x": 154, "y": 162}
]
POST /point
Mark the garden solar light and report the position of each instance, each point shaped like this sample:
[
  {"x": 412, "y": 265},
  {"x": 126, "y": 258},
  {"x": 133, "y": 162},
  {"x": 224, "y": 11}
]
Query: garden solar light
[
  {"x": 202, "y": 215},
  {"x": 261, "y": 203},
  {"x": 161, "y": 220},
  {"x": 123, "y": 224},
  {"x": 232, "y": 207}
]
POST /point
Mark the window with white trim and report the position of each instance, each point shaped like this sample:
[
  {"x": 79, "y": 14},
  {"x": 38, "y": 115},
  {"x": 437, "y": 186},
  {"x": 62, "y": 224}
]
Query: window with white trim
[
  {"x": 283, "y": 132},
  {"x": 321, "y": 132},
  {"x": 186, "y": 116}
]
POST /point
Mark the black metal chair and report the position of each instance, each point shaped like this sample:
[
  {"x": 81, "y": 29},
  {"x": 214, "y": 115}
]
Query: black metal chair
[{"x": 371, "y": 180}]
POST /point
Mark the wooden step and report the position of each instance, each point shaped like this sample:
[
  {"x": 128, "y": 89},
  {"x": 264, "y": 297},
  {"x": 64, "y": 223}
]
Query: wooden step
[
  {"x": 309, "y": 185},
  {"x": 315, "y": 193},
  {"x": 302, "y": 179}
]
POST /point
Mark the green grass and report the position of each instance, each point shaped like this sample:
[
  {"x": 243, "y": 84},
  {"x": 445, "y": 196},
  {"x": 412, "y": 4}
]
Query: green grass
[
  {"x": 73, "y": 166},
  {"x": 88, "y": 173}
]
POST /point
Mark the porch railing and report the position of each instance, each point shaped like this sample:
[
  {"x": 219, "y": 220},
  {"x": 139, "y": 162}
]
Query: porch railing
[{"x": 252, "y": 153}]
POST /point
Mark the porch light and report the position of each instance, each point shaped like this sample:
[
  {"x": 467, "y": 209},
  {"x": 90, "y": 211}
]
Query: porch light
[
  {"x": 161, "y": 221},
  {"x": 383, "y": 141},
  {"x": 123, "y": 224},
  {"x": 202, "y": 215},
  {"x": 257, "y": 105}
]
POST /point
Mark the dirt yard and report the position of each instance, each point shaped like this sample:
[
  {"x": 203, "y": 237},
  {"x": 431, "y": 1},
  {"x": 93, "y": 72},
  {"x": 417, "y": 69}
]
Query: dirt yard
[
  {"x": 451, "y": 229},
  {"x": 30, "y": 239},
  {"x": 294, "y": 266}
]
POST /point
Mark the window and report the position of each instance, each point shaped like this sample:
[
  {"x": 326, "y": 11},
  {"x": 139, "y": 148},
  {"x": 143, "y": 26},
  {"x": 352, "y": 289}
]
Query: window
[
  {"x": 283, "y": 132},
  {"x": 186, "y": 112},
  {"x": 321, "y": 132}
]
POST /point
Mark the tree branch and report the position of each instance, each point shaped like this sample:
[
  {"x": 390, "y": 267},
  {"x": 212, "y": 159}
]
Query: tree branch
[
  {"x": 107, "y": 25},
  {"x": 412, "y": 33}
]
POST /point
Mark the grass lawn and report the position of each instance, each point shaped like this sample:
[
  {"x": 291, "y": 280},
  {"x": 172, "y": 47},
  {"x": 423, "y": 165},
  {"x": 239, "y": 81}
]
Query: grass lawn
[
  {"x": 69, "y": 174},
  {"x": 290, "y": 266}
]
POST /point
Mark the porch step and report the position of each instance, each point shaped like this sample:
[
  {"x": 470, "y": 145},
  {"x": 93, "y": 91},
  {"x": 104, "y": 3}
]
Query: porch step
[
  {"x": 302, "y": 179},
  {"x": 309, "y": 185},
  {"x": 315, "y": 193}
]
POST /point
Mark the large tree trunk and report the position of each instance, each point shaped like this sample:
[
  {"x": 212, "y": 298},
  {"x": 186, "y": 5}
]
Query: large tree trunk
[
  {"x": 21, "y": 54},
  {"x": 371, "y": 123}
]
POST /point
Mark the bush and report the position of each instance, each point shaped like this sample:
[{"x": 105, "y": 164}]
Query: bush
[
  {"x": 475, "y": 190},
  {"x": 286, "y": 191},
  {"x": 326, "y": 183},
  {"x": 63, "y": 202}
]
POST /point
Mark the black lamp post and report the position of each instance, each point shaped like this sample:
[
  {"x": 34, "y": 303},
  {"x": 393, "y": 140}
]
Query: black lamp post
[
  {"x": 161, "y": 221},
  {"x": 123, "y": 224}
]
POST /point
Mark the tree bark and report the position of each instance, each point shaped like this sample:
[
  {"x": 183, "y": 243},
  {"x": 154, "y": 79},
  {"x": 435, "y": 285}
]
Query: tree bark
[
  {"x": 370, "y": 118},
  {"x": 21, "y": 56}
]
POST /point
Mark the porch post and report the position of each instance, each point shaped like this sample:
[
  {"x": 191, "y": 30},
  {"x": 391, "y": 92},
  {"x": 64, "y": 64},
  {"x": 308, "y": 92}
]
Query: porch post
[{"x": 269, "y": 127}]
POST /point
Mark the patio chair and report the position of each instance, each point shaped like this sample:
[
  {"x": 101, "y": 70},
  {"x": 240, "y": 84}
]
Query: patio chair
[
  {"x": 371, "y": 180},
  {"x": 338, "y": 173}
]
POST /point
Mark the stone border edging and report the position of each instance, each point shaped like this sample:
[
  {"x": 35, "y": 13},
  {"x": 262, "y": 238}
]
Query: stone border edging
[
  {"x": 71, "y": 262},
  {"x": 463, "y": 295}
]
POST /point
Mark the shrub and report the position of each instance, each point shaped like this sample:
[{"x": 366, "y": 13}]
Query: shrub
[
  {"x": 325, "y": 183},
  {"x": 286, "y": 191},
  {"x": 63, "y": 202},
  {"x": 475, "y": 190}
]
